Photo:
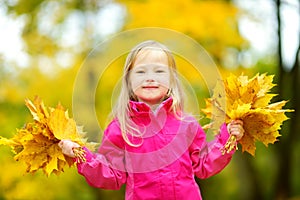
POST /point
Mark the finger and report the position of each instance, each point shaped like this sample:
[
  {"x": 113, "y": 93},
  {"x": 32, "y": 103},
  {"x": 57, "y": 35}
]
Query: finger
[
  {"x": 61, "y": 143},
  {"x": 238, "y": 121},
  {"x": 238, "y": 133},
  {"x": 237, "y": 128}
]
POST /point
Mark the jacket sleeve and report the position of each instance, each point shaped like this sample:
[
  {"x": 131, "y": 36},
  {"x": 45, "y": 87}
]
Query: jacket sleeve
[
  {"x": 207, "y": 159},
  {"x": 105, "y": 169}
]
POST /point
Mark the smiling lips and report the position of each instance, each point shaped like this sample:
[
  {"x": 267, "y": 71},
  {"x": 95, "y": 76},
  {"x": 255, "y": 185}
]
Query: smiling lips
[{"x": 150, "y": 87}]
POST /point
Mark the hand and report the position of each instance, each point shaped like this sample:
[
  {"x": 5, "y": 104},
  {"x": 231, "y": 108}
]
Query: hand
[
  {"x": 235, "y": 128},
  {"x": 67, "y": 147}
]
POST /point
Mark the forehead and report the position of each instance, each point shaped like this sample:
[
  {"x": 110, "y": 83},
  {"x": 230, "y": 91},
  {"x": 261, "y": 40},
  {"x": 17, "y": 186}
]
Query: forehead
[{"x": 151, "y": 55}]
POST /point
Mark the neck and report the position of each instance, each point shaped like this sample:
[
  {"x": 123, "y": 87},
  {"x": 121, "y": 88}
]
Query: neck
[{"x": 154, "y": 107}]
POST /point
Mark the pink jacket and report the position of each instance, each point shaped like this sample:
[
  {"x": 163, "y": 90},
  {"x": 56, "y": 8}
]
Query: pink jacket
[{"x": 170, "y": 153}]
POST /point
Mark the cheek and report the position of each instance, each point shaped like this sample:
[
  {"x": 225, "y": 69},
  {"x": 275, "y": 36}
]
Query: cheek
[
  {"x": 164, "y": 81},
  {"x": 135, "y": 82}
]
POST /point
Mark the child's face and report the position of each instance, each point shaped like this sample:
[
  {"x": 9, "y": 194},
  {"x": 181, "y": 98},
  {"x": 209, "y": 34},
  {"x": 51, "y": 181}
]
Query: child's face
[{"x": 150, "y": 76}]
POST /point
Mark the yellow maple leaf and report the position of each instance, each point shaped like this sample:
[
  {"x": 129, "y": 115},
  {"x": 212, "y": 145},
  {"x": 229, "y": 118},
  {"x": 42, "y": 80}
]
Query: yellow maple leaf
[
  {"x": 230, "y": 83},
  {"x": 37, "y": 109},
  {"x": 248, "y": 144},
  {"x": 249, "y": 90},
  {"x": 266, "y": 84},
  {"x": 40, "y": 160},
  {"x": 61, "y": 125},
  {"x": 248, "y": 100},
  {"x": 5, "y": 141},
  {"x": 55, "y": 155},
  {"x": 262, "y": 101},
  {"x": 237, "y": 110},
  {"x": 215, "y": 112}
]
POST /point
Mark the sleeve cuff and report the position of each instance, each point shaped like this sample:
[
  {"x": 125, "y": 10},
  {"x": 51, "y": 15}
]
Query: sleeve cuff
[{"x": 224, "y": 135}]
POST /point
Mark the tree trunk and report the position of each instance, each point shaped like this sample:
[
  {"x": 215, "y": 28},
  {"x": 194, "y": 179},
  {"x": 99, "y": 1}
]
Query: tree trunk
[{"x": 288, "y": 86}]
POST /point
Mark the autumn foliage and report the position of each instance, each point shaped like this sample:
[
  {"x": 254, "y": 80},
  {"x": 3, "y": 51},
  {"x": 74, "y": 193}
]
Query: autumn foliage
[
  {"x": 238, "y": 97},
  {"x": 36, "y": 143}
]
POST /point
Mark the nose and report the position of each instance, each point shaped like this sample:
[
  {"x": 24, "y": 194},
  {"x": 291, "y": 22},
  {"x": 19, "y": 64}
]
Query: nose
[
  {"x": 150, "y": 77},
  {"x": 149, "y": 80}
]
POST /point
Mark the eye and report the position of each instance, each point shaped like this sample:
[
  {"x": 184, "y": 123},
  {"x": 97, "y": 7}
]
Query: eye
[
  {"x": 140, "y": 71},
  {"x": 160, "y": 71}
]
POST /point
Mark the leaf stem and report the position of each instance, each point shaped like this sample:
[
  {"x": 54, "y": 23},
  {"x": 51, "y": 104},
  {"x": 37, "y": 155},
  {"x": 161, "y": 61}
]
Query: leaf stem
[{"x": 230, "y": 145}]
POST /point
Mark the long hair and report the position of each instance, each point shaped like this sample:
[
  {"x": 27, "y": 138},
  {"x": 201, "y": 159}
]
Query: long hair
[{"x": 122, "y": 108}]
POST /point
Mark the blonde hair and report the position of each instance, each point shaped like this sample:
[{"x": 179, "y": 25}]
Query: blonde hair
[{"x": 122, "y": 108}]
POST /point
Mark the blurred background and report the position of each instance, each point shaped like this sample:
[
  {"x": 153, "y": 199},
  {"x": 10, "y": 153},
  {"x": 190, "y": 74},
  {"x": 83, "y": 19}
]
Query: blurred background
[{"x": 43, "y": 43}]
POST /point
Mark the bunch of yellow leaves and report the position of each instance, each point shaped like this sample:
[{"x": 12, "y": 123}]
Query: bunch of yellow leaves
[
  {"x": 37, "y": 142},
  {"x": 247, "y": 100}
]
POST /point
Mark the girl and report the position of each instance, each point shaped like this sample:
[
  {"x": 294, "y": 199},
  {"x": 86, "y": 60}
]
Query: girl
[{"x": 151, "y": 145}]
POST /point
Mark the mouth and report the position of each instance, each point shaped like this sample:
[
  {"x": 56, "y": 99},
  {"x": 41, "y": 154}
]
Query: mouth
[{"x": 150, "y": 87}]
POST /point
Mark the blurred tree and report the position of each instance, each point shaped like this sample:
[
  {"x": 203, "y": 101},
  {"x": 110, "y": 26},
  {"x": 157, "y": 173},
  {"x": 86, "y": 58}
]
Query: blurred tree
[
  {"x": 288, "y": 88},
  {"x": 214, "y": 24}
]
